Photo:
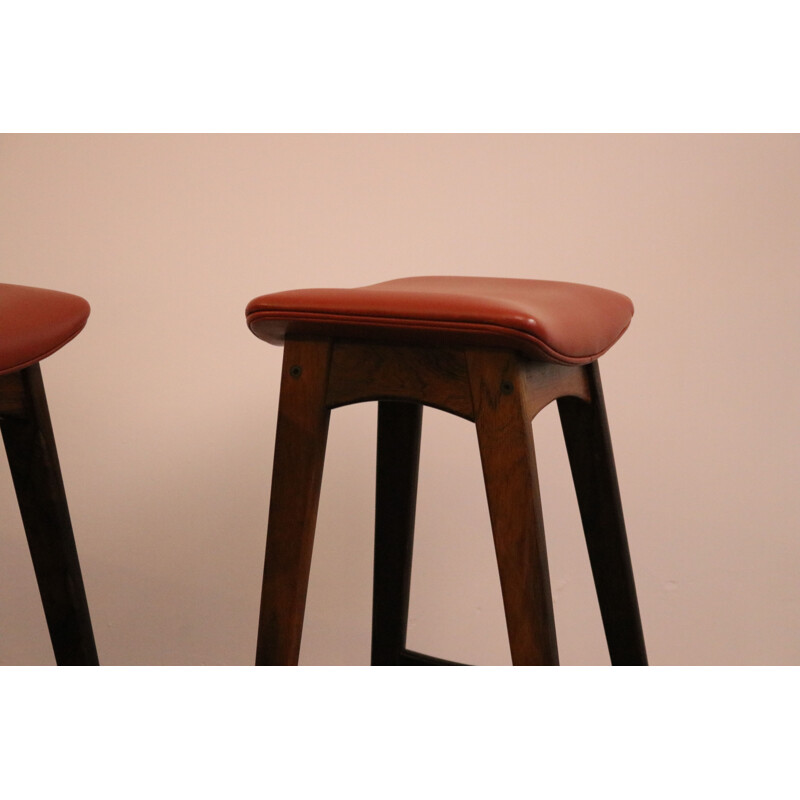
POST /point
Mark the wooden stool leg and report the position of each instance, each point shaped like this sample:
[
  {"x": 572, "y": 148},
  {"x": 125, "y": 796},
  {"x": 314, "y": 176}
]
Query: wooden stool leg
[
  {"x": 505, "y": 439},
  {"x": 32, "y": 457},
  {"x": 399, "y": 430},
  {"x": 592, "y": 462},
  {"x": 296, "y": 480}
]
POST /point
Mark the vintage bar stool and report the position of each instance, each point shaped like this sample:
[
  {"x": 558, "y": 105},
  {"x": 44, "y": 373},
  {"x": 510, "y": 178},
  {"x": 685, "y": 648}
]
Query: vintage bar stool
[
  {"x": 491, "y": 350},
  {"x": 34, "y": 323}
]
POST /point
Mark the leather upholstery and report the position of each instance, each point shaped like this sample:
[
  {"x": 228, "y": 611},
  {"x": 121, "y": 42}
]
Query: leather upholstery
[
  {"x": 35, "y": 323},
  {"x": 566, "y": 323}
]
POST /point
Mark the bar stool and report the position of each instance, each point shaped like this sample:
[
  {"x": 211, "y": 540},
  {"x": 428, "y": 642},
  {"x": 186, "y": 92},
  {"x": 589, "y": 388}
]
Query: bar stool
[
  {"x": 494, "y": 351},
  {"x": 34, "y": 323}
]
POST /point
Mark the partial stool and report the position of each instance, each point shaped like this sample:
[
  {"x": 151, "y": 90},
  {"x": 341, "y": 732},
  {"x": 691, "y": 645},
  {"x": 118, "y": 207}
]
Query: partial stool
[
  {"x": 34, "y": 323},
  {"x": 494, "y": 351}
]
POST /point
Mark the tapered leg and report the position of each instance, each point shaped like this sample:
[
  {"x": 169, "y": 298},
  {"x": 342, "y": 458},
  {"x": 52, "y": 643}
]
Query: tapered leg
[
  {"x": 399, "y": 430},
  {"x": 296, "y": 480},
  {"x": 509, "y": 469},
  {"x": 32, "y": 457},
  {"x": 592, "y": 462}
]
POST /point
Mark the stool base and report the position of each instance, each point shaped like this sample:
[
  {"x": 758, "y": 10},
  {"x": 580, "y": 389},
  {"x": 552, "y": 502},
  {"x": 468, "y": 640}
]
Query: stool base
[{"x": 500, "y": 392}]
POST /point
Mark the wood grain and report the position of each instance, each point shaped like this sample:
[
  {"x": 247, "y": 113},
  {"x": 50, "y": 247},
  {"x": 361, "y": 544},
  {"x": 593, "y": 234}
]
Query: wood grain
[
  {"x": 300, "y": 442},
  {"x": 546, "y": 382},
  {"x": 433, "y": 376},
  {"x": 505, "y": 439}
]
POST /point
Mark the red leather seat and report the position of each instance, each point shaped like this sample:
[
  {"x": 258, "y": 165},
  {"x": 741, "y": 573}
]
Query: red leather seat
[
  {"x": 35, "y": 323},
  {"x": 566, "y": 323}
]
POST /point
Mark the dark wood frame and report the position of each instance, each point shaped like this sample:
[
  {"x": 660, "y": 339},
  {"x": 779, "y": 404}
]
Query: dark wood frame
[
  {"x": 501, "y": 392},
  {"x": 31, "y": 449}
]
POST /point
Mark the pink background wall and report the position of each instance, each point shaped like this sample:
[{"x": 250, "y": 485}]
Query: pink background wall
[{"x": 165, "y": 406}]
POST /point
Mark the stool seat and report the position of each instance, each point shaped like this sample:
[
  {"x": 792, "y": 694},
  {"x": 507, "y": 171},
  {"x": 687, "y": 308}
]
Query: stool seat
[
  {"x": 563, "y": 323},
  {"x": 34, "y": 323}
]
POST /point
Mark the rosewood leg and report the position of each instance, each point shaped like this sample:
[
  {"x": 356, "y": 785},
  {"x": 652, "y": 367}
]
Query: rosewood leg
[
  {"x": 505, "y": 439},
  {"x": 399, "y": 430},
  {"x": 31, "y": 449},
  {"x": 296, "y": 480},
  {"x": 591, "y": 460}
]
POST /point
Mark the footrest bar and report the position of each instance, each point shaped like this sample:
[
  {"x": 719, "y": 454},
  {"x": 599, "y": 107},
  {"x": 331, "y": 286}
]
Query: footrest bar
[{"x": 408, "y": 658}]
